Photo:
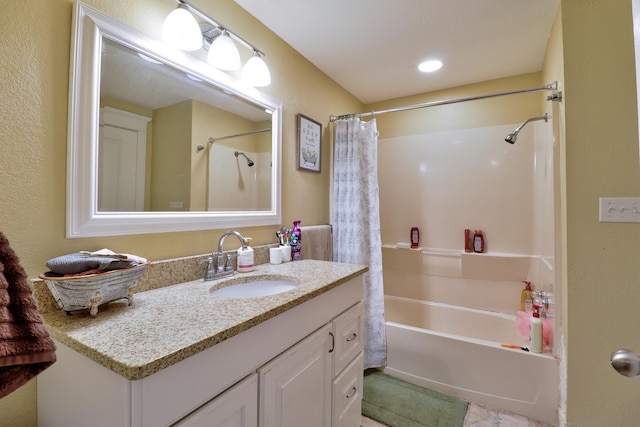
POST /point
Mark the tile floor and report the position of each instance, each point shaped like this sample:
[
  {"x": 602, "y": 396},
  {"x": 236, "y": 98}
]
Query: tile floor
[{"x": 481, "y": 416}]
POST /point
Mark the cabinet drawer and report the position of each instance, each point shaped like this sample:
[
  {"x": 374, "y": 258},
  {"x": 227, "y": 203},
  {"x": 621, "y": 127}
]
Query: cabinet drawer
[
  {"x": 347, "y": 395},
  {"x": 347, "y": 331}
]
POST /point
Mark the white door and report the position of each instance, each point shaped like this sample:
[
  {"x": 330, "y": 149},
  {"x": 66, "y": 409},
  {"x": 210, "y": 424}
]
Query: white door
[{"x": 121, "y": 161}]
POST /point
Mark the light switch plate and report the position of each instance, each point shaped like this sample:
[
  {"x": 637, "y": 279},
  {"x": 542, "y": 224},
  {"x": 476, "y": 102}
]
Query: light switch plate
[{"x": 619, "y": 209}]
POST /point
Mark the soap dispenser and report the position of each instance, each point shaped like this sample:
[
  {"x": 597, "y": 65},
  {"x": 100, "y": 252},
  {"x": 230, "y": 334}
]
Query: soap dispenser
[{"x": 245, "y": 258}]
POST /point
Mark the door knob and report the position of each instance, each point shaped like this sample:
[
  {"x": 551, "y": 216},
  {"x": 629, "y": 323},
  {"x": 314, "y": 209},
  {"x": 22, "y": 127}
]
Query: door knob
[{"x": 626, "y": 362}]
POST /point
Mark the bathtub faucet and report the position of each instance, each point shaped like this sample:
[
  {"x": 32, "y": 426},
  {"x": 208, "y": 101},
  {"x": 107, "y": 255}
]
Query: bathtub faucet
[{"x": 546, "y": 300}]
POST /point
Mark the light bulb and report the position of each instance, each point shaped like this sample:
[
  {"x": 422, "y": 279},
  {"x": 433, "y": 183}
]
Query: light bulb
[
  {"x": 223, "y": 53},
  {"x": 180, "y": 29},
  {"x": 255, "y": 71}
]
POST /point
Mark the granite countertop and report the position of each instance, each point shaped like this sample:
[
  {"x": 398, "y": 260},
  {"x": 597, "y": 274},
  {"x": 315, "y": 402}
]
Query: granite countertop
[{"x": 166, "y": 325}]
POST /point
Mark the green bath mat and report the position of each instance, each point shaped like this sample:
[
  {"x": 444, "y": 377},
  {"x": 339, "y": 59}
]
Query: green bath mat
[{"x": 397, "y": 403}]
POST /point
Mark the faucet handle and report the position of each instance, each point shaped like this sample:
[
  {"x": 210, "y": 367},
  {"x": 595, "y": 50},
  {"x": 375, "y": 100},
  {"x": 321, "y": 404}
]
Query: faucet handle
[
  {"x": 210, "y": 271},
  {"x": 227, "y": 265},
  {"x": 219, "y": 261}
]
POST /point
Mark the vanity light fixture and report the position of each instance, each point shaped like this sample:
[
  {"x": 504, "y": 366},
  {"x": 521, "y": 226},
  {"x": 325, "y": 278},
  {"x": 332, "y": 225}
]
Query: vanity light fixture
[
  {"x": 223, "y": 52},
  {"x": 255, "y": 71},
  {"x": 180, "y": 29}
]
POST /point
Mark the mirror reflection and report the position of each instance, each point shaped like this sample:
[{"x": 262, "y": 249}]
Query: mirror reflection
[
  {"x": 139, "y": 157},
  {"x": 169, "y": 141}
]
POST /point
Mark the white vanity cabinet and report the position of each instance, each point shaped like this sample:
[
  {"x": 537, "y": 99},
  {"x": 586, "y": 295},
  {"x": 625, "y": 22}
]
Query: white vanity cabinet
[{"x": 230, "y": 380}]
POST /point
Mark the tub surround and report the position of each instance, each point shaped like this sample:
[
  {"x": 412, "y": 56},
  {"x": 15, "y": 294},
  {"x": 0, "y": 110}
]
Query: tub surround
[
  {"x": 447, "y": 313},
  {"x": 167, "y": 324}
]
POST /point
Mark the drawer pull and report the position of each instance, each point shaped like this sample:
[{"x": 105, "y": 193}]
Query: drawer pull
[
  {"x": 351, "y": 392},
  {"x": 352, "y": 337},
  {"x": 333, "y": 342}
]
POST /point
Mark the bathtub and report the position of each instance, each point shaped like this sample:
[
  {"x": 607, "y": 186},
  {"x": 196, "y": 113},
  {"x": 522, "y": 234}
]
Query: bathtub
[{"x": 456, "y": 351}]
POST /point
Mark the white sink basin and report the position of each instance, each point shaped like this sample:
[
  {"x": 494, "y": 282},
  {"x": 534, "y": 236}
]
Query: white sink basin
[{"x": 256, "y": 288}]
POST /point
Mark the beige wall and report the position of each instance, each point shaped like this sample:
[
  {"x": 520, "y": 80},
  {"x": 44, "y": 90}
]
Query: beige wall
[
  {"x": 598, "y": 149},
  {"x": 35, "y": 44},
  {"x": 600, "y": 156}
]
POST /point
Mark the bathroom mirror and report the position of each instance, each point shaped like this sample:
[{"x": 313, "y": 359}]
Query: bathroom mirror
[{"x": 160, "y": 141}]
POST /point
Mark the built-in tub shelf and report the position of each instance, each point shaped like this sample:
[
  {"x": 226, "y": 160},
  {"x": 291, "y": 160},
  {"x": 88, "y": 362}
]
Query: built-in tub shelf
[{"x": 456, "y": 263}]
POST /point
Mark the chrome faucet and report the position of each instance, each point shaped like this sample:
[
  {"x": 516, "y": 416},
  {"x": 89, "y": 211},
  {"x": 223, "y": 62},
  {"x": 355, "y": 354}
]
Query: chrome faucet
[
  {"x": 545, "y": 300},
  {"x": 217, "y": 267}
]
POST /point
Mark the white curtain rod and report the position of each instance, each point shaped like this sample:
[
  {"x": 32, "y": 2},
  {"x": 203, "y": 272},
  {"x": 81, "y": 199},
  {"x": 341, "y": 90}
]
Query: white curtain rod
[
  {"x": 212, "y": 139},
  {"x": 551, "y": 86}
]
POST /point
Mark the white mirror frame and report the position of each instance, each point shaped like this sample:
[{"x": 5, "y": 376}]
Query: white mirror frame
[{"x": 83, "y": 217}]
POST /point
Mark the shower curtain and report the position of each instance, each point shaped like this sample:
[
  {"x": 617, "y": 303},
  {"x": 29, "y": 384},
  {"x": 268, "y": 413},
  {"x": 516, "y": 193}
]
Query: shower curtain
[{"x": 355, "y": 217}]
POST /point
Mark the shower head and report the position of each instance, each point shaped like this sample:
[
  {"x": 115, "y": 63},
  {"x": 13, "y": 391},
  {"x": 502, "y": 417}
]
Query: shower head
[
  {"x": 513, "y": 136},
  {"x": 249, "y": 161}
]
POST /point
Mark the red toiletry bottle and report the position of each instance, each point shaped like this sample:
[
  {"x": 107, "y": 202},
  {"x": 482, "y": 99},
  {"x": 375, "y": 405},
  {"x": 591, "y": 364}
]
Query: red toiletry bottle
[
  {"x": 415, "y": 237},
  {"x": 467, "y": 240},
  {"x": 478, "y": 241}
]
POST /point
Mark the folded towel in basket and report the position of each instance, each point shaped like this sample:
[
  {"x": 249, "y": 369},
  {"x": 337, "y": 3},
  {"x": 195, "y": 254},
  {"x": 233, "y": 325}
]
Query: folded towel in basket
[
  {"x": 103, "y": 260},
  {"x": 25, "y": 346}
]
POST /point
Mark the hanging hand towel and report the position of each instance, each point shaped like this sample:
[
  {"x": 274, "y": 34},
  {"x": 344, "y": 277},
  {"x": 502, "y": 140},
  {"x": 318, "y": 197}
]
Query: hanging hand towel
[
  {"x": 317, "y": 242},
  {"x": 25, "y": 346}
]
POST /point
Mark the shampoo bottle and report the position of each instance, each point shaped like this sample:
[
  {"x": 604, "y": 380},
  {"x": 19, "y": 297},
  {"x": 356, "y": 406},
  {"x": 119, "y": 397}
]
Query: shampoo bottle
[
  {"x": 467, "y": 240},
  {"x": 478, "y": 241},
  {"x": 245, "y": 258},
  {"x": 535, "y": 324},
  {"x": 526, "y": 302}
]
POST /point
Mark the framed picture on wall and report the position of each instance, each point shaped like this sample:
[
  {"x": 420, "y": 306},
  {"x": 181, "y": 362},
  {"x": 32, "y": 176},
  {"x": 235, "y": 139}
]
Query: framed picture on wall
[{"x": 309, "y": 143}]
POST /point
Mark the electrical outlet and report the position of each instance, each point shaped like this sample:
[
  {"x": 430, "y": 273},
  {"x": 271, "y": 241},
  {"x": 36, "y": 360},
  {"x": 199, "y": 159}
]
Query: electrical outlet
[
  {"x": 175, "y": 205},
  {"x": 619, "y": 209}
]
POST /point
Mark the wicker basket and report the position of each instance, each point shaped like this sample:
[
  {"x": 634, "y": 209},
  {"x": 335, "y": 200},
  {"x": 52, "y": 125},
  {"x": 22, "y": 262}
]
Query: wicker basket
[{"x": 93, "y": 290}]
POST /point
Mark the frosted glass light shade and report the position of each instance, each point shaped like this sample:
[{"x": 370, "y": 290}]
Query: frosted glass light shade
[
  {"x": 223, "y": 53},
  {"x": 255, "y": 72},
  {"x": 180, "y": 29}
]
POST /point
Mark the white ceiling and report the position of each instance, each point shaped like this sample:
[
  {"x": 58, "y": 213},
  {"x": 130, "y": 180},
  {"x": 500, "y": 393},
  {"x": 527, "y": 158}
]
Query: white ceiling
[{"x": 372, "y": 47}]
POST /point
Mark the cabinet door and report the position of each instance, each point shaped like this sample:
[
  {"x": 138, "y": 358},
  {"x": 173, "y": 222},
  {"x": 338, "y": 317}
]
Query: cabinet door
[
  {"x": 295, "y": 387},
  {"x": 236, "y": 407}
]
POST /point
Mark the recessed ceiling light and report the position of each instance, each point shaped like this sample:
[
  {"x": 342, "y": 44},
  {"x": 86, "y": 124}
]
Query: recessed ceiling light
[
  {"x": 148, "y": 58},
  {"x": 430, "y": 66}
]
